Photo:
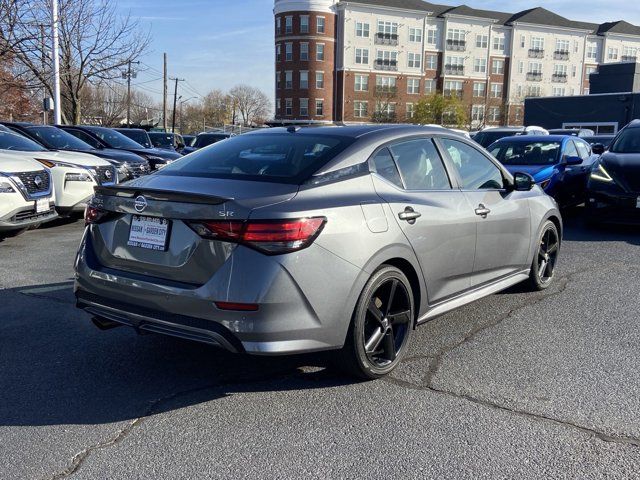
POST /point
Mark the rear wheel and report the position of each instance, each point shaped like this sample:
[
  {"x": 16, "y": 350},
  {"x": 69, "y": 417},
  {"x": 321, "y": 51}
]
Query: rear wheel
[
  {"x": 381, "y": 326},
  {"x": 544, "y": 262}
]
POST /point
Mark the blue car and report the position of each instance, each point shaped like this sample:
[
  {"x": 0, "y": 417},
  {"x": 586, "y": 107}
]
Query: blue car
[{"x": 560, "y": 164}]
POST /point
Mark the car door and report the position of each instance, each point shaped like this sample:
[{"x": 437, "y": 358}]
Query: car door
[
  {"x": 502, "y": 215},
  {"x": 434, "y": 216}
]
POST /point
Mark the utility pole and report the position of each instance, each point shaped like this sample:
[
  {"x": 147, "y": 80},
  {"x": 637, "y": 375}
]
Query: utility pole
[
  {"x": 129, "y": 75},
  {"x": 57, "y": 113},
  {"x": 164, "y": 95},
  {"x": 43, "y": 64},
  {"x": 175, "y": 101}
]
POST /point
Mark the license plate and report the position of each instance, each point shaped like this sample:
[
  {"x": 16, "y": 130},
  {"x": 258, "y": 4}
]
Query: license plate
[
  {"x": 42, "y": 205},
  {"x": 151, "y": 233}
]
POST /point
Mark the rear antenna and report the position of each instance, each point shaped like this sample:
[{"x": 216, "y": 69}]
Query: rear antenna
[{"x": 292, "y": 129}]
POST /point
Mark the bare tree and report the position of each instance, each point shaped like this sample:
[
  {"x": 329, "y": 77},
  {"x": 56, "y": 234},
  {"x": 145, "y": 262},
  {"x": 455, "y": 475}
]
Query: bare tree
[
  {"x": 96, "y": 42},
  {"x": 253, "y": 105}
]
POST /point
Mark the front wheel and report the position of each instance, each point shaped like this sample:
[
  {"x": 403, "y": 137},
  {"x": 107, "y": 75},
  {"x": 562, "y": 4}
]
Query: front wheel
[
  {"x": 381, "y": 326},
  {"x": 544, "y": 262}
]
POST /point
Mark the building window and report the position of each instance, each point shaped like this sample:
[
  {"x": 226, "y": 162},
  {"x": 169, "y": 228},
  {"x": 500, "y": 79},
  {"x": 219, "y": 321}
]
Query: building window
[
  {"x": 558, "y": 91},
  {"x": 521, "y": 67},
  {"x": 535, "y": 67},
  {"x": 386, "y": 60},
  {"x": 362, "y": 29},
  {"x": 388, "y": 28},
  {"x": 288, "y": 80},
  {"x": 431, "y": 62},
  {"x": 278, "y": 52},
  {"x": 304, "y": 23},
  {"x": 479, "y": 89},
  {"x": 288, "y": 52},
  {"x": 410, "y": 111},
  {"x": 304, "y": 51},
  {"x": 415, "y": 35},
  {"x": 574, "y": 71},
  {"x": 288, "y": 106},
  {"x": 453, "y": 87},
  {"x": 361, "y": 83},
  {"x": 304, "y": 79},
  {"x": 385, "y": 84},
  {"x": 320, "y": 52},
  {"x": 480, "y": 65},
  {"x": 319, "y": 80},
  {"x": 360, "y": 109},
  {"x": 278, "y": 80},
  {"x": 560, "y": 70},
  {"x": 362, "y": 56},
  {"x": 612, "y": 53},
  {"x": 534, "y": 91},
  {"x": 278, "y": 25},
  {"x": 590, "y": 70},
  {"x": 496, "y": 90},
  {"x": 562, "y": 46},
  {"x": 388, "y": 109},
  {"x": 429, "y": 86},
  {"x": 592, "y": 51},
  {"x": 288, "y": 24},
  {"x": 304, "y": 107},
  {"x": 319, "y": 108},
  {"x": 586, "y": 91},
  {"x": 629, "y": 54},
  {"x": 494, "y": 114},
  {"x": 477, "y": 113},
  {"x": 414, "y": 60},
  {"x": 413, "y": 86},
  {"x": 320, "y": 25},
  {"x": 432, "y": 35},
  {"x": 278, "y": 105},
  {"x": 497, "y": 67},
  {"x": 456, "y": 39},
  {"x": 523, "y": 41},
  {"x": 454, "y": 65},
  {"x": 482, "y": 41},
  {"x": 498, "y": 44},
  {"x": 537, "y": 44}
]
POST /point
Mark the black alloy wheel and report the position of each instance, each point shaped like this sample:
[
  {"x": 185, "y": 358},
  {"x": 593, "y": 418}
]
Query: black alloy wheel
[{"x": 544, "y": 263}]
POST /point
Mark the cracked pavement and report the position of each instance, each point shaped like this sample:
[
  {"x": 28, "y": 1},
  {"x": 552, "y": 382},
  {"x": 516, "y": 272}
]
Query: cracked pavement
[{"x": 518, "y": 385}]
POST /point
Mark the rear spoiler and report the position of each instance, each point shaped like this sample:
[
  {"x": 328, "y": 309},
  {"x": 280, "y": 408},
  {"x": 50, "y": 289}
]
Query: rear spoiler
[{"x": 159, "y": 195}]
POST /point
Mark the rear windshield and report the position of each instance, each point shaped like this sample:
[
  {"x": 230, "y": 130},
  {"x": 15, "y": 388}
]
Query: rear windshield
[
  {"x": 487, "y": 138},
  {"x": 13, "y": 141},
  {"x": 137, "y": 136},
  {"x": 204, "y": 140},
  {"x": 161, "y": 139},
  {"x": 280, "y": 158},
  {"x": 509, "y": 152},
  {"x": 57, "y": 138},
  {"x": 628, "y": 141}
]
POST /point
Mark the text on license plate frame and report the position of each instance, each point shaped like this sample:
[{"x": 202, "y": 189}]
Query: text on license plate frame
[{"x": 146, "y": 239}]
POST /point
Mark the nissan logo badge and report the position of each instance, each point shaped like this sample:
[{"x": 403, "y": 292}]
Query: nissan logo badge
[
  {"x": 140, "y": 204},
  {"x": 107, "y": 174},
  {"x": 38, "y": 181}
]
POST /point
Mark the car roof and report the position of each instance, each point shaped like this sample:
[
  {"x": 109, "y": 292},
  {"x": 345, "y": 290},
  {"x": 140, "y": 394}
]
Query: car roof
[
  {"x": 537, "y": 138},
  {"x": 131, "y": 129},
  {"x": 352, "y": 131}
]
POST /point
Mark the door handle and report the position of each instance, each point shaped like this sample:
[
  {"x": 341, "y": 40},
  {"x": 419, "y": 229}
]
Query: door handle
[
  {"x": 482, "y": 211},
  {"x": 409, "y": 215}
]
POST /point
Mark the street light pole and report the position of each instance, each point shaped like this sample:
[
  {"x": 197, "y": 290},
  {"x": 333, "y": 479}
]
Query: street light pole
[{"x": 57, "y": 112}]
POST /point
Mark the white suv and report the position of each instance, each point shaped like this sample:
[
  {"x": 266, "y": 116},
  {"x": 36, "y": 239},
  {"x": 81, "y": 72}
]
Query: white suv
[
  {"x": 74, "y": 174},
  {"x": 26, "y": 193}
]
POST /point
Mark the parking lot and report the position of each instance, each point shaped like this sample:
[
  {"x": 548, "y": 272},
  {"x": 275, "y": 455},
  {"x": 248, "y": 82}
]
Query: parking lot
[{"x": 518, "y": 384}]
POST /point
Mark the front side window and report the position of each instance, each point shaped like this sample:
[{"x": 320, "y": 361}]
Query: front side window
[
  {"x": 476, "y": 171},
  {"x": 628, "y": 141},
  {"x": 420, "y": 165}
]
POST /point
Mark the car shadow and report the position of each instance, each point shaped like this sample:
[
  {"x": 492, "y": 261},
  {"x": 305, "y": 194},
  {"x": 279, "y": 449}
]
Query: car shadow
[
  {"x": 59, "y": 369},
  {"x": 577, "y": 229}
]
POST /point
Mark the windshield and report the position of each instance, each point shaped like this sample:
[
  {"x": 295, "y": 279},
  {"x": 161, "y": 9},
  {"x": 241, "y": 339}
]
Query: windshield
[
  {"x": 13, "y": 141},
  {"x": 628, "y": 141},
  {"x": 114, "y": 139},
  {"x": 59, "y": 139},
  {"x": 207, "y": 139},
  {"x": 161, "y": 139},
  {"x": 526, "y": 153},
  {"x": 138, "y": 136},
  {"x": 281, "y": 158},
  {"x": 487, "y": 138}
]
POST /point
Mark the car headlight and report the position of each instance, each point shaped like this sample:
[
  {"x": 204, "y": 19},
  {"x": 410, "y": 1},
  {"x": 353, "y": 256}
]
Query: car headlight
[
  {"x": 6, "y": 186},
  {"x": 123, "y": 168},
  {"x": 56, "y": 163},
  {"x": 599, "y": 173}
]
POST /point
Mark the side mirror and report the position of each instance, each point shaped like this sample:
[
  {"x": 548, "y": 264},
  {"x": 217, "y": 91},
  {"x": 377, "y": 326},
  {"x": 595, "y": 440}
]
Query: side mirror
[
  {"x": 597, "y": 148},
  {"x": 572, "y": 160},
  {"x": 523, "y": 182}
]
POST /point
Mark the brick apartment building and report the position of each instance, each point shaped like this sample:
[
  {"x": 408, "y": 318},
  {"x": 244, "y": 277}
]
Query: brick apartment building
[{"x": 343, "y": 60}]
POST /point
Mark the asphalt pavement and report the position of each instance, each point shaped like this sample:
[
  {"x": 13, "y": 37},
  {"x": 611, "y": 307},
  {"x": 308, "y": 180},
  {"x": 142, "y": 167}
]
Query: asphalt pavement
[{"x": 517, "y": 385}]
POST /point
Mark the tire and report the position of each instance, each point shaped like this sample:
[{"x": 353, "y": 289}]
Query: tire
[
  {"x": 381, "y": 326},
  {"x": 545, "y": 258}
]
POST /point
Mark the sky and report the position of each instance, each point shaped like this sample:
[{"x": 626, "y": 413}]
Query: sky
[{"x": 216, "y": 44}]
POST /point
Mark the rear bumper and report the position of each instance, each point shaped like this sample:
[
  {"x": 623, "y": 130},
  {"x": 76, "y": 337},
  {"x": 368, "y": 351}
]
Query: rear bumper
[{"x": 303, "y": 307}]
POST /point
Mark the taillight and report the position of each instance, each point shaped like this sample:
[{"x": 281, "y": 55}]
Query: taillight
[
  {"x": 93, "y": 214},
  {"x": 269, "y": 236}
]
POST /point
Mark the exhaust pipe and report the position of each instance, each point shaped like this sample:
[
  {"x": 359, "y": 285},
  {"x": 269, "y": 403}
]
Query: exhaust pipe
[{"x": 104, "y": 324}]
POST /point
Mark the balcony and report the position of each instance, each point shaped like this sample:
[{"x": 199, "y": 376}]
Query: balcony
[
  {"x": 454, "y": 69},
  {"x": 561, "y": 55},
  {"x": 456, "y": 45},
  {"x": 536, "y": 53},
  {"x": 452, "y": 92},
  {"x": 628, "y": 58},
  {"x": 534, "y": 76},
  {"x": 386, "y": 38},
  {"x": 387, "y": 65},
  {"x": 559, "y": 78}
]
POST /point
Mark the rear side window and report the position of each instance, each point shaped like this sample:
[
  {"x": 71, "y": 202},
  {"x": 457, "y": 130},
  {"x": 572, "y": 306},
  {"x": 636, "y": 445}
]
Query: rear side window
[
  {"x": 476, "y": 171},
  {"x": 384, "y": 166},
  {"x": 420, "y": 165},
  {"x": 281, "y": 158},
  {"x": 84, "y": 137}
]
